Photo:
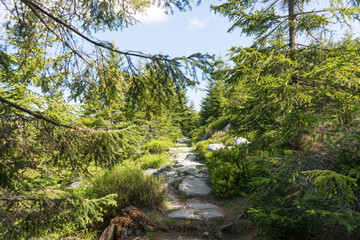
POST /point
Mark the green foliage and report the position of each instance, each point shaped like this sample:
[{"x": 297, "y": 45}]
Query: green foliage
[
  {"x": 229, "y": 172},
  {"x": 216, "y": 125},
  {"x": 40, "y": 217},
  {"x": 212, "y": 104},
  {"x": 197, "y": 134},
  {"x": 130, "y": 183},
  {"x": 269, "y": 106},
  {"x": 265, "y": 19},
  {"x": 153, "y": 160},
  {"x": 223, "y": 138},
  {"x": 201, "y": 148},
  {"x": 157, "y": 146},
  {"x": 288, "y": 203},
  {"x": 347, "y": 151}
]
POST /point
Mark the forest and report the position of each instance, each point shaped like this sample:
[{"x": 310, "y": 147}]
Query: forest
[{"x": 81, "y": 119}]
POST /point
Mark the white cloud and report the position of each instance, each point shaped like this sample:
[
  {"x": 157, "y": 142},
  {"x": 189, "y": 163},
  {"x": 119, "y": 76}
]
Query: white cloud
[
  {"x": 152, "y": 15},
  {"x": 195, "y": 23}
]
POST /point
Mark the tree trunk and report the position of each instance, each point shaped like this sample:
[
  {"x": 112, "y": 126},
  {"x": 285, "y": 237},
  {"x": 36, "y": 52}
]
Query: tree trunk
[{"x": 293, "y": 42}]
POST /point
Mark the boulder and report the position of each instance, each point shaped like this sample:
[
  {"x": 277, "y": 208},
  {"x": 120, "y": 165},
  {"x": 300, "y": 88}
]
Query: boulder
[
  {"x": 205, "y": 137},
  {"x": 240, "y": 141},
  {"x": 214, "y": 147},
  {"x": 194, "y": 186},
  {"x": 227, "y": 127},
  {"x": 184, "y": 214}
]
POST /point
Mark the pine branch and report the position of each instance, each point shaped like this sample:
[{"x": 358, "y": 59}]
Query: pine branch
[
  {"x": 19, "y": 199},
  {"x": 39, "y": 116},
  {"x": 33, "y": 6},
  {"x": 61, "y": 38}
]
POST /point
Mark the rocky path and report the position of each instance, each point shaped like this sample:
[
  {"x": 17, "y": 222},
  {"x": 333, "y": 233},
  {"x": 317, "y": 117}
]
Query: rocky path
[{"x": 189, "y": 192}]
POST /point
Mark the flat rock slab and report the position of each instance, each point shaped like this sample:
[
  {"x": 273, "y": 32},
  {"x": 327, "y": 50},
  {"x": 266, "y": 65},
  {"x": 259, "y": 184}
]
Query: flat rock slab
[
  {"x": 180, "y": 145},
  {"x": 191, "y": 157},
  {"x": 181, "y": 156},
  {"x": 171, "y": 174},
  {"x": 184, "y": 149},
  {"x": 194, "y": 186},
  {"x": 184, "y": 214},
  {"x": 191, "y": 170},
  {"x": 200, "y": 175},
  {"x": 186, "y": 163},
  {"x": 211, "y": 214},
  {"x": 183, "y": 140},
  {"x": 202, "y": 206}
]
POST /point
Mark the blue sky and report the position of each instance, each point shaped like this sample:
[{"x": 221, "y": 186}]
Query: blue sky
[{"x": 180, "y": 34}]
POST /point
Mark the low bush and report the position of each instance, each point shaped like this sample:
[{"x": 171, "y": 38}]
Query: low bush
[
  {"x": 292, "y": 204},
  {"x": 130, "y": 184},
  {"x": 174, "y": 136},
  {"x": 157, "y": 146},
  {"x": 153, "y": 160},
  {"x": 229, "y": 171},
  {"x": 201, "y": 148},
  {"x": 197, "y": 134},
  {"x": 217, "y": 125},
  {"x": 223, "y": 138}
]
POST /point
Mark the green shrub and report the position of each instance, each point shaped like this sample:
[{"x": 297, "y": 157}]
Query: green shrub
[
  {"x": 291, "y": 204},
  {"x": 197, "y": 134},
  {"x": 217, "y": 125},
  {"x": 130, "y": 184},
  {"x": 174, "y": 136},
  {"x": 223, "y": 138},
  {"x": 157, "y": 146},
  {"x": 348, "y": 152},
  {"x": 153, "y": 160},
  {"x": 201, "y": 148},
  {"x": 229, "y": 171}
]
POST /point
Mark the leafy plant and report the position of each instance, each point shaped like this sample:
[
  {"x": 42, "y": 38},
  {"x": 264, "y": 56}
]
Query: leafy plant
[
  {"x": 157, "y": 146},
  {"x": 153, "y": 160},
  {"x": 229, "y": 171},
  {"x": 130, "y": 183},
  {"x": 293, "y": 204},
  {"x": 201, "y": 148}
]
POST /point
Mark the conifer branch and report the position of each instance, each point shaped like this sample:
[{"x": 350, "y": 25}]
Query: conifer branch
[
  {"x": 19, "y": 199},
  {"x": 33, "y": 6},
  {"x": 61, "y": 38},
  {"x": 39, "y": 116}
]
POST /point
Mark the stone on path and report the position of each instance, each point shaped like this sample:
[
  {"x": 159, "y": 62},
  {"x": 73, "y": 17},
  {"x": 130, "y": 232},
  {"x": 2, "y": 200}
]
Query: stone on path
[
  {"x": 183, "y": 140},
  {"x": 191, "y": 170},
  {"x": 201, "y": 206},
  {"x": 194, "y": 186},
  {"x": 211, "y": 214},
  {"x": 181, "y": 156},
  {"x": 184, "y": 214},
  {"x": 186, "y": 163},
  {"x": 180, "y": 145},
  {"x": 191, "y": 157},
  {"x": 214, "y": 147}
]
